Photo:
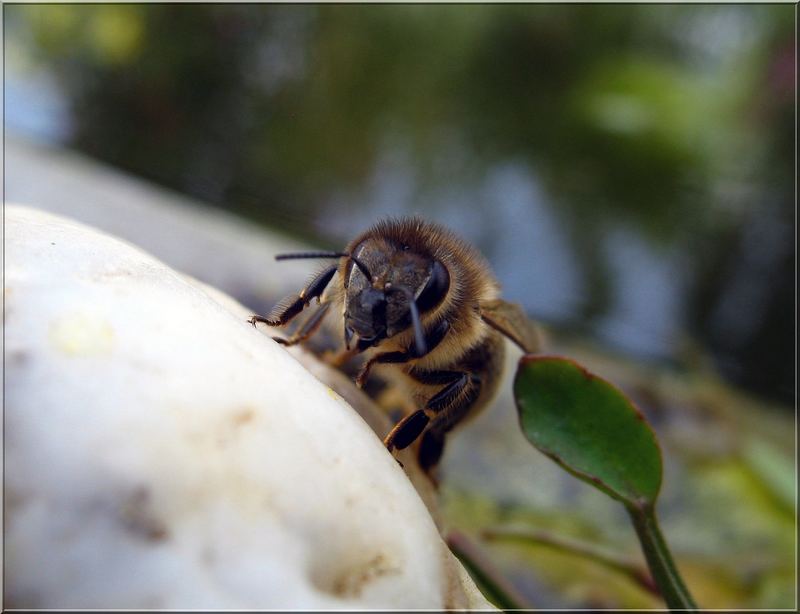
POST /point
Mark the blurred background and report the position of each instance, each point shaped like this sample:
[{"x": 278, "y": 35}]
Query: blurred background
[{"x": 628, "y": 170}]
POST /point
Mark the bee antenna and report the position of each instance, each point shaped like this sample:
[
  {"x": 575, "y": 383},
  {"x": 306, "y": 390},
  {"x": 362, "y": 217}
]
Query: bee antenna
[
  {"x": 419, "y": 337},
  {"x": 299, "y": 255}
]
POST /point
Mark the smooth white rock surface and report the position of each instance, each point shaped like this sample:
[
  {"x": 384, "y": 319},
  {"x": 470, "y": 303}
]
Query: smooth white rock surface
[{"x": 161, "y": 453}]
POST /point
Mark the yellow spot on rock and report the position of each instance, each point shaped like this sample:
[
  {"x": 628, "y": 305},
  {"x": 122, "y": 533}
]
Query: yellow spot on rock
[
  {"x": 333, "y": 394},
  {"x": 82, "y": 334}
]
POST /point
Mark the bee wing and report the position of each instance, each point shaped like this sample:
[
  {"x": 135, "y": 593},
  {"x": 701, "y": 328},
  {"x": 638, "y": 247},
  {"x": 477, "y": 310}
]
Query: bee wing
[{"x": 511, "y": 321}]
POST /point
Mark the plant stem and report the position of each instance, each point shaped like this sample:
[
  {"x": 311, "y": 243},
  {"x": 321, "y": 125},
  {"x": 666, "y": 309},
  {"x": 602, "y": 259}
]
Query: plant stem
[
  {"x": 489, "y": 579},
  {"x": 636, "y": 572},
  {"x": 659, "y": 559}
]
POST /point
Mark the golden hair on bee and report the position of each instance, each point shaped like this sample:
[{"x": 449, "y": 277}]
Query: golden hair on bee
[{"x": 414, "y": 296}]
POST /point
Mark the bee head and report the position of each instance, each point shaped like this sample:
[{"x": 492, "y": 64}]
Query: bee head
[{"x": 388, "y": 293}]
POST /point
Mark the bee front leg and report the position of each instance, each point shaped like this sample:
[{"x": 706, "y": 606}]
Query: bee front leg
[
  {"x": 385, "y": 358},
  {"x": 309, "y": 327},
  {"x": 285, "y": 311},
  {"x": 432, "y": 339}
]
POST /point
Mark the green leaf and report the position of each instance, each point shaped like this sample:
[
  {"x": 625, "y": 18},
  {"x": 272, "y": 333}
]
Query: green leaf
[
  {"x": 589, "y": 427},
  {"x": 595, "y": 432}
]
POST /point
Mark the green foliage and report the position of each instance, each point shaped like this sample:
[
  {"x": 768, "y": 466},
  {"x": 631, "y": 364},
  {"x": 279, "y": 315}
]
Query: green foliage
[
  {"x": 661, "y": 120},
  {"x": 588, "y": 427},
  {"x": 592, "y": 429},
  {"x": 266, "y": 109},
  {"x": 712, "y": 438}
]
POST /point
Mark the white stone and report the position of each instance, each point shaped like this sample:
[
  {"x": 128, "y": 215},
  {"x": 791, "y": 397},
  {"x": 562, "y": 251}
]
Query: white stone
[{"x": 162, "y": 453}]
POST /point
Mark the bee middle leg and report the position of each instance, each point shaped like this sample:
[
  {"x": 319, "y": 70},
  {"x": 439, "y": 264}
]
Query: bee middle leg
[
  {"x": 431, "y": 446},
  {"x": 443, "y": 410}
]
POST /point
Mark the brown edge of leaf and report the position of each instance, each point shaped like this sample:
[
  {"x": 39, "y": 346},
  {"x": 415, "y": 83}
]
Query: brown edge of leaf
[{"x": 593, "y": 479}]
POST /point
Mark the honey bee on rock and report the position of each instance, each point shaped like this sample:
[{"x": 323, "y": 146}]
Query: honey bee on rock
[{"x": 415, "y": 296}]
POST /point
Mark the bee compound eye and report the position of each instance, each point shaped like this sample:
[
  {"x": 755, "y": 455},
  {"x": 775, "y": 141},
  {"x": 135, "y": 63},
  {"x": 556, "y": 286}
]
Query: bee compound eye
[{"x": 436, "y": 287}]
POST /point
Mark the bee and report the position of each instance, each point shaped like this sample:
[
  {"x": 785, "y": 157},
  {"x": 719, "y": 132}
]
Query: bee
[{"x": 414, "y": 296}]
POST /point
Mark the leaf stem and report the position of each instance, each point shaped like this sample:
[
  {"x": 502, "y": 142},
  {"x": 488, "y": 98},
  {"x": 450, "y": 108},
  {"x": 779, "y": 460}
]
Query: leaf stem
[
  {"x": 659, "y": 559},
  {"x": 636, "y": 572}
]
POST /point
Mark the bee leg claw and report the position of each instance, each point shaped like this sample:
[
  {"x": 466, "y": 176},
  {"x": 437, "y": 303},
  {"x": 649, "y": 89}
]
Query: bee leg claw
[
  {"x": 363, "y": 374},
  {"x": 256, "y": 319}
]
